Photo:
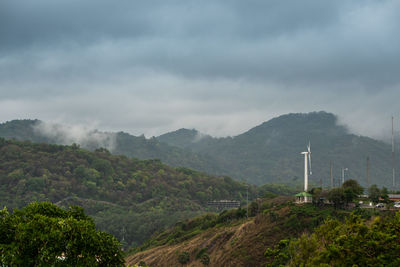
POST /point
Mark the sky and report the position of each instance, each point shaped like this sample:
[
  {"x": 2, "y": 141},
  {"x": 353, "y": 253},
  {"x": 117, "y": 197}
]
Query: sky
[{"x": 220, "y": 66}]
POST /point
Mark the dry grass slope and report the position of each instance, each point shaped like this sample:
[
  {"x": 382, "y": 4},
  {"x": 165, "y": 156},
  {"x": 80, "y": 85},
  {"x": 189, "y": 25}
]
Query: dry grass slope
[{"x": 240, "y": 244}]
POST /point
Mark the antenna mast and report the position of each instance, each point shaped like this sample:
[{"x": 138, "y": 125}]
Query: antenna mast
[
  {"x": 367, "y": 171},
  {"x": 247, "y": 207},
  {"x": 393, "y": 154},
  {"x": 331, "y": 172}
]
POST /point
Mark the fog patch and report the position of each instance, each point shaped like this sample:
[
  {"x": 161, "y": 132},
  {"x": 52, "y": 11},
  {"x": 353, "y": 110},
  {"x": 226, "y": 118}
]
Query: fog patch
[
  {"x": 85, "y": 136},
  {"x": 199, "y": 137}
]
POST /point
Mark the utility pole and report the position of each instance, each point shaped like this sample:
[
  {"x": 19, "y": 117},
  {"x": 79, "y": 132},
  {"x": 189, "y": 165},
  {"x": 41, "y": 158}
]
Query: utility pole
[
  {"x": 343, "y": 169},
  {"x": 247, "y": 212},
  {"x": 331, "y": 172},
  {"x": 394, "y": 184},
  {"x": 367, "y": 172}
]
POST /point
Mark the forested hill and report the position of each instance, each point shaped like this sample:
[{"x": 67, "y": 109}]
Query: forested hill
[
  {"x": 119, "y": 143},
  {"x": 268, "y": 153},
  {"x": 271, "y": 151},
  {"x": 129, "y": 198}
]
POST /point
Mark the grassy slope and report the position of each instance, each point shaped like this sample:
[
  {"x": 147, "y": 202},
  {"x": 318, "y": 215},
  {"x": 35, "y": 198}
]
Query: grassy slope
[{"x": 240, "y": 242}]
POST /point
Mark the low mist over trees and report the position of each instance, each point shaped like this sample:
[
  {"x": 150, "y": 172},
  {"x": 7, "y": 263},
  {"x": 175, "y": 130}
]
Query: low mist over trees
[{"x": 267, "y": 153}]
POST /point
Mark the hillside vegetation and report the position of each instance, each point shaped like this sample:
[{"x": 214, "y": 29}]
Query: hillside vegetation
[
  {"x": 356, "y": 241},
  {"x": 267, "y": 153},
  {"x": 278, "y": 233},
  {"x": 119, "y": 143},
  {"x": 270, "y": 152},
  {"x": 130, "y": 198},
  {"x": 42, "y": 234},
  {"x": 230, "y": 239}
]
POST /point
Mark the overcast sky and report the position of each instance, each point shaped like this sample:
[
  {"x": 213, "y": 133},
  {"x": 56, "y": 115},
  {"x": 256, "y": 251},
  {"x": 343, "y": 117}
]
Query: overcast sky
[{"x": 220, "y": 66}]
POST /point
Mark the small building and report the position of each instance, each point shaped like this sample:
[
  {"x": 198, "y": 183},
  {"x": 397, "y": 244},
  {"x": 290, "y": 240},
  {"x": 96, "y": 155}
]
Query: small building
[
  {"x": 224, "y": 204},
  {"x": 394, "y": 197},
  {"x": 303, "y": 197}
]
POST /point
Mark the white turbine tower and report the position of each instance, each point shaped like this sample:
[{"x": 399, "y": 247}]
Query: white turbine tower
[{"x": 307, "y": 162}]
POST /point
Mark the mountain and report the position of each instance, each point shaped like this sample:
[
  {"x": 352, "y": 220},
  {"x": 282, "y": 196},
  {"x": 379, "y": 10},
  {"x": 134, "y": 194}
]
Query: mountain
[
  {"x": 270, "y": 152},
  {"x": 267, "y": 153},
  {"x": 130, "y": 198},
  {"x": 119, "y": 143},
  {"x": 185, "y": 138}
]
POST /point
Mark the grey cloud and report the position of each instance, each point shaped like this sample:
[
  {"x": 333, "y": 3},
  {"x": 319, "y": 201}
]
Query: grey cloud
[
  {"x": 278, "y": 40},
  {"x": 27, "y": 23},
  {"x": 218, "y": 66}
]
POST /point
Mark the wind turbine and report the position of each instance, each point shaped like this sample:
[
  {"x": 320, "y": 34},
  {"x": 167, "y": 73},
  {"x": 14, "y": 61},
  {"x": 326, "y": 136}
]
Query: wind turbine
[{"x": 307, "y": 162}]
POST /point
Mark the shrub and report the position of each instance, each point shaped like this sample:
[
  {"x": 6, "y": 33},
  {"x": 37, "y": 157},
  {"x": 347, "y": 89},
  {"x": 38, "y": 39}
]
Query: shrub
[
  {"x": 205, "y": 259},
  {"x": 184, "y": 257}
]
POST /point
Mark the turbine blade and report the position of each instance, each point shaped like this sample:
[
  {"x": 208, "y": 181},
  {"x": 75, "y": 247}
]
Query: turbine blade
[{"x": 309, "y": 162}]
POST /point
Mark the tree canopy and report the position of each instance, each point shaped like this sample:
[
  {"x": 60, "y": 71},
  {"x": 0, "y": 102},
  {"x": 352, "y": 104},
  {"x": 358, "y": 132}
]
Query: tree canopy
[
  {"x": 129, "y": 198},
  {"x": 42, "y": 234},
  {"x": 356, "y": 241},
  {"x": 345, "y": 194}
]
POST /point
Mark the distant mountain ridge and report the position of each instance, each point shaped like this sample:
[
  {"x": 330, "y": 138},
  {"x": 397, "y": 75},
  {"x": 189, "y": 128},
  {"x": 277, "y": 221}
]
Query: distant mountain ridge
[
  {"x": 267, "y": 153},
  {"x": 270, "y": 152},
  {"x": 119, "y": 143}
]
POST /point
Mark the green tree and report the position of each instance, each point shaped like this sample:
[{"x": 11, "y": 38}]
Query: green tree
[
  {"x": 385, "y": 194},
  {"x": 42, "y": 234},
  {"x": 355, "y": 242},
  {"x": 279, "y": 255},
  {"x": 337, "y": 197},
  {"x": 317, "y": 195},
  {"x": 354, "y": 186},
  {"x": 352, "y": 189},
  {"x": 374, "y": 193}
]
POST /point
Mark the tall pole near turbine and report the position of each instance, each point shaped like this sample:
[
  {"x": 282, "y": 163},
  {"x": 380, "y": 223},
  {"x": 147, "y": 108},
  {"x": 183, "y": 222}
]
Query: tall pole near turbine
[
  {"x": 393, "y": 163},
  {"x": 368, "y": 172},
  {"x": 247, "y": 196},
  {"x": 331, "y": 172},
  {"x": 343, "y": 170}
]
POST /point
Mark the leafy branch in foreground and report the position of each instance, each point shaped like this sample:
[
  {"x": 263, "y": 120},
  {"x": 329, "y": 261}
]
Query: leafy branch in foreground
[{"x": 42, "y": 234}]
